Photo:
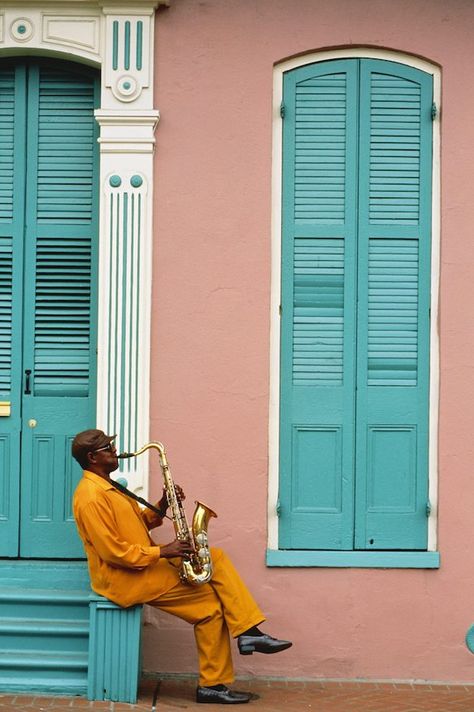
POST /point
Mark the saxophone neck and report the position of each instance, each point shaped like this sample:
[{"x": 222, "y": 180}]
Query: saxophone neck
[{"x": 154, "y": 444}]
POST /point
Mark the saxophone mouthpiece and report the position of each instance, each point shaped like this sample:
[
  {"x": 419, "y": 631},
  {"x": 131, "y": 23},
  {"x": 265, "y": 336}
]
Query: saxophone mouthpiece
[{"x": 125, "y": 455}]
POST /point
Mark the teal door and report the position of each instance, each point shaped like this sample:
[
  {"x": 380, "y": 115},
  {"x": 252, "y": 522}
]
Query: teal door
[
  {"x": 48, "y": 259},
  {"x": 357, "y": 155}
]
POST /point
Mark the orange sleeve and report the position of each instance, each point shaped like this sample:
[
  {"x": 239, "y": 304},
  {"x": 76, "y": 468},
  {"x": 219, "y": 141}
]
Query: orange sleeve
[
  {"x": 99, "y": 526},
  {"x": 150, "y": 518}
]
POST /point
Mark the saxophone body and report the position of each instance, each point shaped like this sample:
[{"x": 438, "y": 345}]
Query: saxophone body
[{"x": 198, "y": 568}]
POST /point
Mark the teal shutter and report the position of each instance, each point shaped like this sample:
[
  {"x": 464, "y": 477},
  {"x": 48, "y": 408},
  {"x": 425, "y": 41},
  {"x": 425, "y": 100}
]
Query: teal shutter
[
  {"x": 12, "y": 138},
  {"x": 393, "y": 306},
  {"x": 60, "y": 306},
  {"x": 48, "y": 273},
  {"x": 64, "y": 214},
  {"x": 355, "y": 306},
  {"x": 318, "y": 307}
]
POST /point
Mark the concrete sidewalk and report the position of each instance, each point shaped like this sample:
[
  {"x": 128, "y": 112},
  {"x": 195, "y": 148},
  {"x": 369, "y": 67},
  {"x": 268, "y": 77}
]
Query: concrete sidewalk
[{"x": 272, "y": 696}]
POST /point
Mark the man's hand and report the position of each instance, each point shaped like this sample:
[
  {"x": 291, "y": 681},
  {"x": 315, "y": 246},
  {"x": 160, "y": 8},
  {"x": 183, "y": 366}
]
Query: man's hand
[
  {"x": 163, "y": 503},
  {"x": 176, "y": 548}
]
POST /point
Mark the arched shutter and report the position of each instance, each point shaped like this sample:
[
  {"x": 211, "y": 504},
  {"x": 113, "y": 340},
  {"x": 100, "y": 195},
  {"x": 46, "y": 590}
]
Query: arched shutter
[
  {"x": 393, "y": 306},
  {"x": 318, "y": 306},
  {"x": 48, "y": 267},
  {"x": 355, "y": 306},
  {"x": 60, "y": 306}
]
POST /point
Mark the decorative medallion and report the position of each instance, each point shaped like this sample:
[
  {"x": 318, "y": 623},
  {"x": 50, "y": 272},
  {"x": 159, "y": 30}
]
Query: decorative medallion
[
  {"x": 115, "y": 181},
  {"x": 21, "y": 29},
  {"x": 126, "y": 88},
  {"x": 136, "y": 181}
]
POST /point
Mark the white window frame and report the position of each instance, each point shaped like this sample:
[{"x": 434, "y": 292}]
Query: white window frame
[{"x": 276, "y": 231}]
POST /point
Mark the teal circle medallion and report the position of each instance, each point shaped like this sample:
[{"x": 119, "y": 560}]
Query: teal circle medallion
[
  {"x": 115, "y": 181},
  {"x": 136, "y": 181}
]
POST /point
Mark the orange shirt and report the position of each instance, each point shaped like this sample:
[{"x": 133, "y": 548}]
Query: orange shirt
[{"x": 124, "y": 563}]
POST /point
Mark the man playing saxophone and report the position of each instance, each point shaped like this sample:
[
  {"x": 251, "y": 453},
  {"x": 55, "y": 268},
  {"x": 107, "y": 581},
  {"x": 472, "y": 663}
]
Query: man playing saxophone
[{"x": 126, "y": 566}]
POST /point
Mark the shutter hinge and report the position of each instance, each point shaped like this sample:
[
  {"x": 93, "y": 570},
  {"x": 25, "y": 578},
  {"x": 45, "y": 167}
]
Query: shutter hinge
[
  {"x": 280, "y": 310},
  {"x": 278, "y": 507},
  {"x": 428, "y": 508},
  {"x": 434, "y": 111},
  {"x": 282, "y": 110}
]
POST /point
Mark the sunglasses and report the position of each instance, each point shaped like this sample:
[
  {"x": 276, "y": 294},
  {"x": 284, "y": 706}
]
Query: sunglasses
[{"x": 108, "y": 447}]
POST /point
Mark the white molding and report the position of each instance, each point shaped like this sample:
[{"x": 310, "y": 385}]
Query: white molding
[
  {"x": 274, "y": 397},
  {"x": 118, "y": 38}
]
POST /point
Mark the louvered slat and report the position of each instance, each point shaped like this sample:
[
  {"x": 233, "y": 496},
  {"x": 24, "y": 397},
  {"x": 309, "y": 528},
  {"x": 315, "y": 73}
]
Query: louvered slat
[
  {"x": 393, "y": 312},
  {"x": 65, "y": 149},
  {"x": 6, "y": 285},
  {"x": 320, "y": 149},
  {"x": 62, "y": 316},
  {"x": 7, "y": 109},
  {"x": 394, "y": 184},
  {"x": 318, "y": 316}
]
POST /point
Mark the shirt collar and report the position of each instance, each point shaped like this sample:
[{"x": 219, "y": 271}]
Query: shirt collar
[{"x": 98, "y": 480}]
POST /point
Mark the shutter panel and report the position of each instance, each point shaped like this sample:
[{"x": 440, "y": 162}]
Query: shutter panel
[
  {"x": 318, "y": 296},
  {"x": 61, "y": 256},
  {"x": 66, "y": 137},
  {"x": 12, "y": 138},
  {"x": 393, "y": 306},
  {"x": 62, "y": 317},
  {"x": 7, "y": 136},
  {"x": 7, "y": 128},
  {"x": 355, "y": 357},
  {"x": 6, "y": 311},
  {"x": 66, "y": 142}
]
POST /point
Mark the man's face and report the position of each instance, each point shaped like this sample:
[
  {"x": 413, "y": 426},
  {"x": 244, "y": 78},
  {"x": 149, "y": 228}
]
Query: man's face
[{"x": 105, "y": 459}]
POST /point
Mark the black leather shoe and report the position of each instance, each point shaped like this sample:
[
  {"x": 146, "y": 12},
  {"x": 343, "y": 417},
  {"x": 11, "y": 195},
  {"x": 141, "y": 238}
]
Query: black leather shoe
[
  {"x": 223, "y": 696},
  {"x": 249, "y": 644}
]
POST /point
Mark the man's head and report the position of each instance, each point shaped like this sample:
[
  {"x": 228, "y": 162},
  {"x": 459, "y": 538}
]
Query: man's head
[{"x": 95, "y": 451}]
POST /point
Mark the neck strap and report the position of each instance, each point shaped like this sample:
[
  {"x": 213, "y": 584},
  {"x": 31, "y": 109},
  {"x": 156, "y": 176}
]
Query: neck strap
[{"x": 134, "y": 496}]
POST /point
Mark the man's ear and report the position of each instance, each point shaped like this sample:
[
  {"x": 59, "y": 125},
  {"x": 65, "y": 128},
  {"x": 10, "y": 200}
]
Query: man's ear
[{"x": 91, "y": 457}]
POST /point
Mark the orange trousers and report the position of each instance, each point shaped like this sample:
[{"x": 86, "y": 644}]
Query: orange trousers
[{"x": 219, "y": 609}]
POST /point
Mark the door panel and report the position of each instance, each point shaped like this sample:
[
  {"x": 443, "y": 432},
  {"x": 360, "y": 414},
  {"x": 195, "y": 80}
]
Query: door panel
[
  {"x": 56, "y": 309},
  {"x": 12, "y": 220}
]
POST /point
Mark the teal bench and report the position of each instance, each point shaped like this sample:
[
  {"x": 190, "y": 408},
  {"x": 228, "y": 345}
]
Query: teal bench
[{"x": 114, "y": 651}]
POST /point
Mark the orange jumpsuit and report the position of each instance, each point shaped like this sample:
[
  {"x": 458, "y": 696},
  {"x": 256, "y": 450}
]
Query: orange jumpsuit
[{"x": 125, "y": 566}]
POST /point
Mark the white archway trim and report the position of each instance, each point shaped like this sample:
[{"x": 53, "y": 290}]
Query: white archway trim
[
  {"x": 117, "y": 37},
  {"x": 274, "y": 403}
]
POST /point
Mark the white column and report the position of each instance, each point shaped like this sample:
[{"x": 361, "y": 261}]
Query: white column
[{"x": 127, "y": 122}]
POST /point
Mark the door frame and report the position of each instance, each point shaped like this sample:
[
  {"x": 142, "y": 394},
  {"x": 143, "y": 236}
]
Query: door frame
[
  {"x": 118, "y": 39},
  {"x": 275, "y": 299}
]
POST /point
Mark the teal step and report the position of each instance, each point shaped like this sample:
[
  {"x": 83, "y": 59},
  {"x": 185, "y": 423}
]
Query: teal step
[
  {"x": 44, "y": 627},
  {"x": 38, "y": 634},
  {"x": 44, "y": 574},
  {"x": 35, "y": 671},
  {"x": 38, "y": 603},
  {"x": 31, "y": 663}
]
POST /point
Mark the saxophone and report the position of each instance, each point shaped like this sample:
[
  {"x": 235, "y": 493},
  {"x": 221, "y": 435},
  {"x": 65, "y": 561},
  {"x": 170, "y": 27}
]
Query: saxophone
[{"x": 198, "y": 568}]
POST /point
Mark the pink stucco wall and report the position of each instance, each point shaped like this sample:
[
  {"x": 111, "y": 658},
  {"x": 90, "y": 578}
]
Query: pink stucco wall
[{"x": 211, "y": 302}]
